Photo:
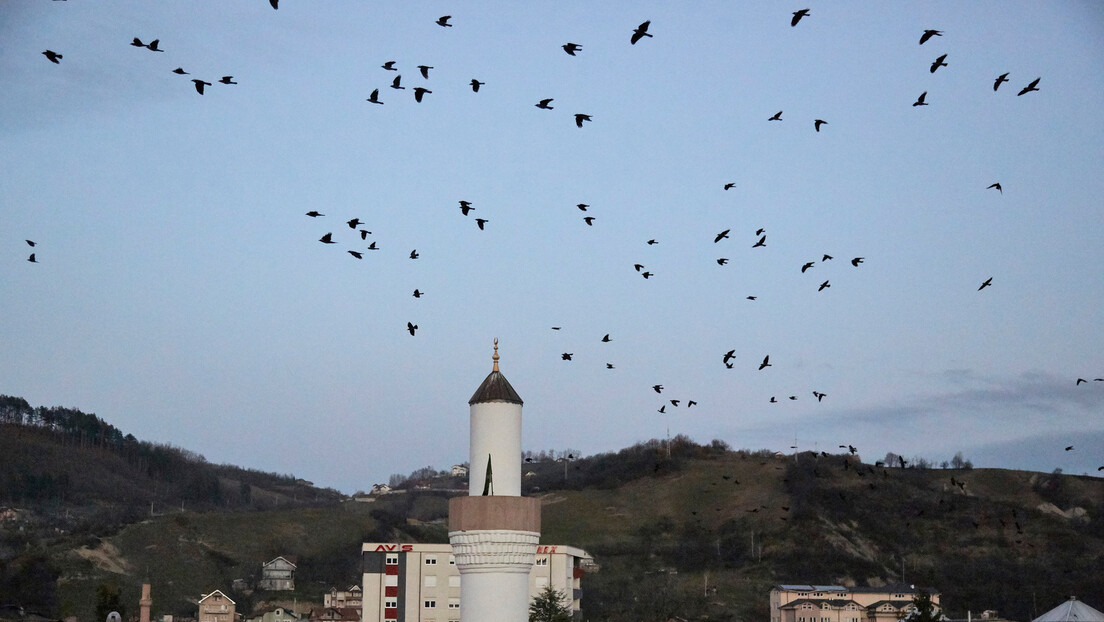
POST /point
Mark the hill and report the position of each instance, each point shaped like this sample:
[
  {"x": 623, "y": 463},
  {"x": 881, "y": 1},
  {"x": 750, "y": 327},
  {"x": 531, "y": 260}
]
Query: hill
[{"x": 679, "y": 529}]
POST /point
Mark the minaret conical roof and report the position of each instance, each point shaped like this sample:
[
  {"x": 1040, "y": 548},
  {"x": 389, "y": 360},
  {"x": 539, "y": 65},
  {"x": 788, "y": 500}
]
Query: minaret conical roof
[{"x": 495, "y": 387}]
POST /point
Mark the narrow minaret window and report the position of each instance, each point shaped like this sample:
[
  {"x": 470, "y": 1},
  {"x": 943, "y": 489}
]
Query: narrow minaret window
[{"x": 488, "y": 483}]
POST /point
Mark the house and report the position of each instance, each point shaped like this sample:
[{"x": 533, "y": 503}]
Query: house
[
  {"x": 336, "y": 614},
  {"x": 276, "y": 614},
  {"x": 339, "y": 599},
  {"x": 459, "y": 470},
  {"x": 216, "y": 607},
  {"x": 836, "y": 603},
  {"x": 380, "y": 489},
  {"x": 278, "y": 574}
]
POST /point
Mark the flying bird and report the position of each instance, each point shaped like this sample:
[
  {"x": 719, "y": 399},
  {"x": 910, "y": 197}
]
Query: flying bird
[
  {"x": 396, "y": 83},
  {"x": 937, "y": 63},
  {"x": 690, "y": 403},
  {"x": 566, "y": 356},
  {"x": 818, "y": 123},
  {"x": 658, "y": 388},
  {"x": 419, "y": 92},
  {"x": 475, "y": 84},
  {"x": 354, "y": 223},
  {"x": 425, "y": 70},
  {"x": 356, "y": 254},
  {"x": 364, "y": 233},
  {"x": 997, "y": 186},
  {"x": 414, "y": 254},
  {"x": 807, "y": 266},
  {"x": 589, "y": 220},
  {"x": 32, "y": 258},
  {"x": 638, "y": 266},
  {"x": 777, "y": 116},
  {"x": 662, "y": 409},
  {"x": 821, "y": 396},
  {"x": 579, "y": 118},
  {"x": 730, "y": 186},
  {"x": 53, "y": 56},
  {"x": 274, "y": 3},
  {"x": 1079, "y": 381},
  {"x": 823, "y": 286},
  {"x": 582, "y": 206},
  {"x": 646, "y": 275},
  {"x": 765, "y": 363},
  {"x": 675, "y": 403},
  {"x": 651, "y": 242},
  {"x": 987, "y": 283},
  {"x": 1024, "y": 90},
  {"x": 920, "y": 100},
  {"x": 443, "y": 21},
  {"x": 609, "y": 365},
  {"x": 797, "y": 15},
  {"x": 374, "y": 97},
  {"x": 722, "y": 235},
  {"x": 731, "y": 354},
  {"x": 640, "y": 32},
  {"x": 227, "y": 80},
  {"x": 1001, "y": 78},
  {"x": 1070, "y": 448},
  {"x": 722, "y": 261},
  {"x": 465, "y": 207},
  {"x": 30, "y": 242},
  {"x": 389, "y": 66},
  {"x": 372, "y": 247},
  {"x": 481, "y": 222},
  {"x": 571, "y": 48},
  {"x": 606, "y": 339},
  {"x": 314, "y": 214},
  {"x": 856, "y": 261},
  {"x": 199, "y": 84},
  {"x": 180, "y": 71},
  {"x": 411, "y": 327},
  {"x": 418, "y": 293},
  {"x": 543, "y": 104},
  {"x": 153, "y": 45},
  {"x": 327, "y": 239},
  {"x": 762, "y": 242},
  {"x": 928, "y": 34},
  {"x": 826, "y": 258}
]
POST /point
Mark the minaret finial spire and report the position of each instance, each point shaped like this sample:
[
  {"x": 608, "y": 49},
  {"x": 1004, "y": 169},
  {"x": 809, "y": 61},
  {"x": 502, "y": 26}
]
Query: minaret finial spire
[{"x": 495, "y": 357}]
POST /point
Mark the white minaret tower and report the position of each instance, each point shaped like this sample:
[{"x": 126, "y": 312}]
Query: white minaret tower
[{"x": 494, "y": 531}]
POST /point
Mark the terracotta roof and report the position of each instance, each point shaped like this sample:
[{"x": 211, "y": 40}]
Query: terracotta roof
[{"x": 495, "y": 388}]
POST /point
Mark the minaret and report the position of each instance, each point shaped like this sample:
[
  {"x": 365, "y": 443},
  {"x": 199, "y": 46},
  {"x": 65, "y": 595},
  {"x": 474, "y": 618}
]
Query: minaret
[
  {"x": 144, "y": 604},
  {"x": 494, "y": 531}
]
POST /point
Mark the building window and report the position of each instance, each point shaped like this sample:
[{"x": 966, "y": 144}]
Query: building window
[
  {"x": 391, "y": 604},
  {"x": 542, "y": 561},
  {"x": 454, "y": 603},
  {"x": 431, "y": 560},
  {"x": 454, "y": 581},
  {"x": 431, "y": 581},
  {"x": 429, "y": 604},
  {"x": 392, "y": 559},
  {"x": 452, "y": 559}
]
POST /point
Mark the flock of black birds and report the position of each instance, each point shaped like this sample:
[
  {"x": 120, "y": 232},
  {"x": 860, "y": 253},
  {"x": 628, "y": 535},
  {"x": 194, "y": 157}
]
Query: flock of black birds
[{"x": 573, "y": 49}]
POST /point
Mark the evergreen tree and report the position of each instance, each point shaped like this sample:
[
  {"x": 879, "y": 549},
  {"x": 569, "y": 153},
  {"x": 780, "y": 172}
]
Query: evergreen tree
[
  {"x": 548, "y": 606},
  {"x": 924, "y": 610}
]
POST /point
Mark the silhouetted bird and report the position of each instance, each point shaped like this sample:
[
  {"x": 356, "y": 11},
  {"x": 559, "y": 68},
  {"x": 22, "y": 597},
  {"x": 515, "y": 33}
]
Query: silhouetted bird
[
  {"x": 372, "y": 247},
  {"x": 414, "y": 254},
  {"x": 751, "y": 297},
  {"x": 818, "y": 123},
  {"x": 419, "y": 92},
  {"x": 1079, "y": 381},
  {"x": 199, "y": 84},
  {"x": 819, "y": 395},
  {"x": 797, "y": 15},
  {"x": 937, "y": 63},
  {"x": 856, "y": 261},
  {"x": 1070, "y": 448},
  {"x": 30, "y": 242},
  {"x": 662, "y": 409},
  {"x": 987, "y": 283},
  {"x": 227, "y": 80},
  {"x": 777, "y": 116},
  {"x": 180, "y": 71},
  {"x": 826, "y": 258},
  {"x": 658, "y": 388},
  {"x": 356, "y": 254},
  {"x": 606, "y": 339},
  {"x": 920, "y": 100},
  {"x": 396, "y": 83},
  {"x": 314, "y": 214},
  {"x": 374, "y": 97},
  {"x": 327, "y": 239},
  {"x": 571, "y": 48},
  {"x": 566, "y": 356},
  {"x": 153, "y": 46},
  {"x": 638, "y": 266},
  {"x": 651, "y": 242},
  {"x": 765, "y": 363},
  {"x": 691, "y": 403},
  {"x": 722, "y": 261},
  {"x": 137, "y": 43},
  {"x": 609, "y": 365},
  {"x": 1024, "y": 90},
  {"x": 364, "y": 233},
  {"x": 465, "y": 207},
  {"x": 640, "y": 32},
  {"x": 582, "y": 206},
  {"x": 731, "y": 354},
  {"x": 589, "y": 220},
  {"x": 722, "y": 235},
  {"x": 997, "y": 186},
  {"x": 425, "y": 70},
  {"x": 762, "y": 242},
  {"x": 418, "y": 293},
  {"x": 475, "y": 84},
  {"x": 928, "y": 34},
  {"x": 354, "y": 223},
  {"x": 274, "y": 3},
  {"x": 729, "y": 186},
  {"x": 481, "y": 222},
  {"x": 646, "y": 275},
  {"x": 32, "y": 258},
  {"x": 54, "y": 57},
  {"x": 675, "y": 403},
  {"x": 411, "y": 327},
  {"x": 579, "y": 118},
  {"x": 1001, "y": 78},
  {"x": 543, "y": 104},
  {"x": 807, "y": 266},
  {"x": 443, "y": 21}
]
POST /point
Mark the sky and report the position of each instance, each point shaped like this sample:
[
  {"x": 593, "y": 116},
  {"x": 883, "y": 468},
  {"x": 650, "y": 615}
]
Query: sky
[{"x": 181, "y": 292}]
